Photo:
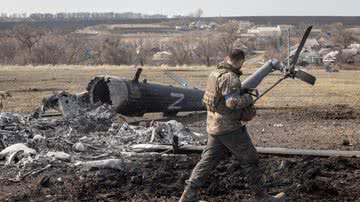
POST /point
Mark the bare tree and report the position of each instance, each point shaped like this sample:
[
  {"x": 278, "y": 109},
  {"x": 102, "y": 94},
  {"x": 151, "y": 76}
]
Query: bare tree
[
  {"x": 28, "y": 36},
  {"x": 95, "y": 52},
  {"x": 339, "y": 34},
  {"x": 228, "y": 33},
  {"x": 117, "y": 51},
  {"x": 76, "y": 46},
  {"x": 7, "y": 50},
  {"x": 196, "y": 14},
  {"x": 199, "y": 13},
  {"x": 50, "y": 50},
  {"x": 181, "y": 50},
  {"x": 206, "y": 47},
  {"x": 273, "y": 49},
  {"x": 143, "y": 50}
]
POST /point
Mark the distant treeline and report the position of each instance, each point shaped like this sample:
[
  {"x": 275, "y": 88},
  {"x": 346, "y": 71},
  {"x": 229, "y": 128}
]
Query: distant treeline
[
  {"x": 298, "y": 20},
  {"x": 76, "y": 16},
  {"x": 156, "y": 18},
  {"x": 79, "y": 20},
  {"x": 29, "y": 44}
]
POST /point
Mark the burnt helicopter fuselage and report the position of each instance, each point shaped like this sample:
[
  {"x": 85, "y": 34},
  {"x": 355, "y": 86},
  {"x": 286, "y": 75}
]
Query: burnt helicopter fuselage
[{"x": 134, "y": 98}]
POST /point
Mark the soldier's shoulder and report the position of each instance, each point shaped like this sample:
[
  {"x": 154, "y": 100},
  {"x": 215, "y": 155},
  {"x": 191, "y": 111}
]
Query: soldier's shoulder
[
  {"x": 229, "y": 76},
  {"x": 218, "y": 72},
  {"x": 229, "y": 82}
]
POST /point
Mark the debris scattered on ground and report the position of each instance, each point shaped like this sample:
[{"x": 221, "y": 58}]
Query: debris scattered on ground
[
  {"x": 117, "y": 164},
  {"x": 79, "y": 147},
  {"x": 59, "y": 156},
  {"x": 88, "y": 155}
]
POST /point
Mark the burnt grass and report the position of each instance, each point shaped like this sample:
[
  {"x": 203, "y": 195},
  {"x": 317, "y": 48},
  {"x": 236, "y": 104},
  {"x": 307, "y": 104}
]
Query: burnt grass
[{"x": 157, "y": 179}]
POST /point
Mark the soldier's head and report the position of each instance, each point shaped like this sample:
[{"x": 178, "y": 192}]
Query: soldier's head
[{"x": 236, "y": 58}]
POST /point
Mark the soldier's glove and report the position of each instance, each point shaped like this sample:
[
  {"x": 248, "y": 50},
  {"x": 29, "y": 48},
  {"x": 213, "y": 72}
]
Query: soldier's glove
[
  {"x": 248, "y": 113},
  {"x": 247, "y": 100}
]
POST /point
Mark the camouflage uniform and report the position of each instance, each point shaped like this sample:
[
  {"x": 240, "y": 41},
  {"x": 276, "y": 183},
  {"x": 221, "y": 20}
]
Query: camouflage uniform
[{"x": 226, "y": 108}]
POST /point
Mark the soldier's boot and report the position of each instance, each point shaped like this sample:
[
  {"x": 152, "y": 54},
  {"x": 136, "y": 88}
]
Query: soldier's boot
[
  {"x": 262, "y": 196},
  {"x": 280, "y": 197},
  {"x": 189, "y": 194}
]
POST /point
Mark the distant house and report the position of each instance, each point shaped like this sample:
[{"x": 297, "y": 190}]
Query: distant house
[
  {"x": 331, "y": 57},
  {"x": 350, "y": 55},
  {"x": 311, "y": 53},
  {"x": 212, "y": 24},
  {"x": 247, "y": 36},
  {"x": 162, "y": 57},
  {"x": 262, "y": 36},
  {"x": 316, "y": 32},
  {"x": 307, "y": 56},
  {"x": 266, "y": 31},
  {"x": 202, "y": 25},
  {"x": 196, "y": 25},
  {"x": 324, "y": 51},
  {"x": 310, "y": 57},
  {"x": 312, "y": 44}
]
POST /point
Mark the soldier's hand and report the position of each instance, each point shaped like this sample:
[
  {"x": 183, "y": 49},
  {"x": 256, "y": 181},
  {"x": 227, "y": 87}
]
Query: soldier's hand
[
  {"x": 248, "y": 113},
  {"x": 248, "y": 99}
]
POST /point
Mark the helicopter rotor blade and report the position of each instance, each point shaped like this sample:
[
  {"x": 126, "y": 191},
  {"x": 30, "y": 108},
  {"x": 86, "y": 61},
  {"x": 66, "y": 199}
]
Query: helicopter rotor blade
[
  {"x": 299, "y": 49},
  {"x": 178, "y": 79},
  {"x": 306, "y": 77}
]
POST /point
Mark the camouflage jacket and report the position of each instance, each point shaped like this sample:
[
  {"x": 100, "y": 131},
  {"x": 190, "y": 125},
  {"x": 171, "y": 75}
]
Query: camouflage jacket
[{"x": 224, "y": 103}]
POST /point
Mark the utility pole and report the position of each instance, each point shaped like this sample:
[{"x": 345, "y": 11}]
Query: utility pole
[{"x": 288, "y": 47}]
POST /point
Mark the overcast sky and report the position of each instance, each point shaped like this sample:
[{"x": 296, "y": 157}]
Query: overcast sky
[{"x": 183, "y": 7}]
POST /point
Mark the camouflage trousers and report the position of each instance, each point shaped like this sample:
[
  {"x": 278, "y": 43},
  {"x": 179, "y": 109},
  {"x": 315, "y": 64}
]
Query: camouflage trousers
[{"x": 240, "y": 145}]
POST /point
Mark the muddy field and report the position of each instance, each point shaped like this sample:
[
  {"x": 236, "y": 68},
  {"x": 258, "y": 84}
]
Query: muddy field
[{"x": 294, "y": 115}]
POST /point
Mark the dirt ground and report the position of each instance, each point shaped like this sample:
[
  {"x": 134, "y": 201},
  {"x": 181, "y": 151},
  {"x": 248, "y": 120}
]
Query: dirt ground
[
  {"x": 326, "y": 116},
  {"x": 303, "y": 179}
]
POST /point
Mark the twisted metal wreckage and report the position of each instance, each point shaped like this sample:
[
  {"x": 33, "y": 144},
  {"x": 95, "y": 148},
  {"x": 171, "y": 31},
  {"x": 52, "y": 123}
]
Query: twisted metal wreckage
[{"x": 135, "y": 98}]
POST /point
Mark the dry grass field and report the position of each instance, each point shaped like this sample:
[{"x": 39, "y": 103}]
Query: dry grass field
[{"x": 31, "y": 84}]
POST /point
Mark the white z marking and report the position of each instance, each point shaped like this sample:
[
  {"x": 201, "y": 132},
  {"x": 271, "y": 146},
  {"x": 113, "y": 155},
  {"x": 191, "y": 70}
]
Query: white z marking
[{"x": 180, "y": 98}]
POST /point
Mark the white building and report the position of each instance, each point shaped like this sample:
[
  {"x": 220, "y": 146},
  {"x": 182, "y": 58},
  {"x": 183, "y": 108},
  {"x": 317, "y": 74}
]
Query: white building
[
  {"x": 312, "y": 44},
  {"x": 331, "y": 57},
  {"x": 266, "y": 31}
]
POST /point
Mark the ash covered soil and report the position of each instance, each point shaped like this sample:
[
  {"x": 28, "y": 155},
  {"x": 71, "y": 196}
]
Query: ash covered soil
[
  {"x": 313, "y": 127},
  {"x": 161, "y": 176},
  {"x": 162, "y": 179}
]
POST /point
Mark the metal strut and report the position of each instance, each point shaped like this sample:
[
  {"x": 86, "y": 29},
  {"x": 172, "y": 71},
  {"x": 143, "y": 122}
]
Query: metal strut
[{"x": 271, "y": 87}]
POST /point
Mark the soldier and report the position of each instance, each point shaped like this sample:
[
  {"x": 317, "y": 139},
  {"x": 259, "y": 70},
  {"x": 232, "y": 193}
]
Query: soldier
[{"x": 226, "y": 108}]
